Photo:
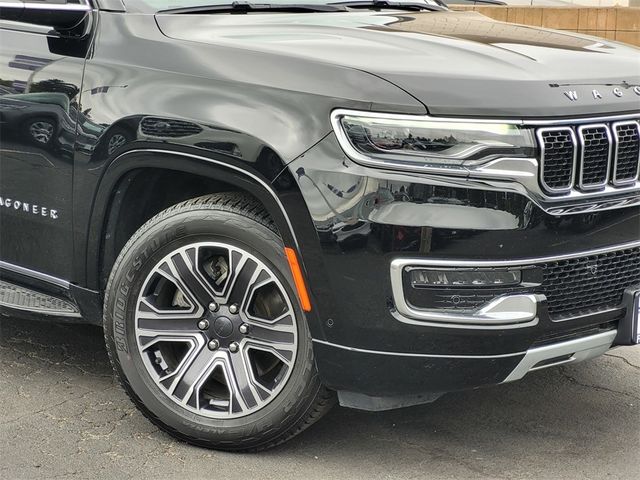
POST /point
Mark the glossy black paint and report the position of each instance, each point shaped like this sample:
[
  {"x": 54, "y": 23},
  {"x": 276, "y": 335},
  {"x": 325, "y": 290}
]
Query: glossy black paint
[
  {"x": 454, "y": 63},
  {"x": 40, "y": 78},
  {"x": 243, "y": 102},
  {"x": 389, "y": 375}
]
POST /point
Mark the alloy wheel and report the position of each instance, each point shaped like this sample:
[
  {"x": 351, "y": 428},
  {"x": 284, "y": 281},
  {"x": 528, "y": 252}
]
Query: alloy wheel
[
  {"x": 41, "y": 131},
  {"x": 115, "y": 142},
  {"x": 216, "y": 330}
]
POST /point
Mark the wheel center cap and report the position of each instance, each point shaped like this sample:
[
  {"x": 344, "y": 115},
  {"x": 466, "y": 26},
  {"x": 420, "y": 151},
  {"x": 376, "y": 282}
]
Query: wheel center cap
[{"x": 223, "y": 327}]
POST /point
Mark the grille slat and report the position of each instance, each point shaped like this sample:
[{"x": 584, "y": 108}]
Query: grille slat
[
  {"x": 588, "y": 157},
  {"x": 589, "y": 284},
  {"x": 595, "y": 152},
  {"x": 627, "y": 158},
  {"x": 558, "y": 158}
]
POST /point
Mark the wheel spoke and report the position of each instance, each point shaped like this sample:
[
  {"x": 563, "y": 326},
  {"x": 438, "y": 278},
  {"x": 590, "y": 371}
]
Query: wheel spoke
[
  {"x": 278, "y": 338},
  {"x": 193, "y": 371},
  {"x": 166, "y": 324},
  {"x": 241, "y": 394},
  {"x": 263, "y": 279},
  {"x": 243, "y": 275},
  {"x": 152, "y": 322},
  {"x": 191, "y": 278},
  {"x": 239, "y": 378},
  {"x": 167, "y": 377}
]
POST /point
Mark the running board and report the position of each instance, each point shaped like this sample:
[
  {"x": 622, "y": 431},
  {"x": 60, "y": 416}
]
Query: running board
[{"x": 21, "y": 298}]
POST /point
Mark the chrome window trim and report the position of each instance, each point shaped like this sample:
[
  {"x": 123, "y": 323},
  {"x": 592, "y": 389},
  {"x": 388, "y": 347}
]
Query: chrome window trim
[
  {"x": 572, "y": 178},
  {"x": 404, "y": 313},
  {"x": 67, "y": 7},
  {"x": 27, "y": 27},
  {"x": 593, "y": 186},
  {"x": 614, "y": 131}
]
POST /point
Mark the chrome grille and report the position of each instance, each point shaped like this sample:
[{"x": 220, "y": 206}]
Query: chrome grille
[
  {"x": 595, "y": 152},
  {"x": 558, "y": 159},
  {"x": 588, "y": 157},
  {"x": 627, "y": 158}
]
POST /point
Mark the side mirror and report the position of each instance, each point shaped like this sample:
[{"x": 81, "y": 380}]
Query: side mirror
[{"x": 59, "y": 15}]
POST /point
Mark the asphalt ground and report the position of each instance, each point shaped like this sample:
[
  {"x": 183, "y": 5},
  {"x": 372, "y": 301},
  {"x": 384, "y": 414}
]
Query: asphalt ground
[{"x": 62, "y": 415}]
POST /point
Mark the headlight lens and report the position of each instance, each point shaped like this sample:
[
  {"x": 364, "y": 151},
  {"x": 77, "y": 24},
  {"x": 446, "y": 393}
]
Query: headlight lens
[{"x": 431, "y": 143}]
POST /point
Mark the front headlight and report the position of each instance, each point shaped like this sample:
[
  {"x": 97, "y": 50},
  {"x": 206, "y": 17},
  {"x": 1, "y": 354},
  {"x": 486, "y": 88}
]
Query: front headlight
[{"x": 423, "y": 143}]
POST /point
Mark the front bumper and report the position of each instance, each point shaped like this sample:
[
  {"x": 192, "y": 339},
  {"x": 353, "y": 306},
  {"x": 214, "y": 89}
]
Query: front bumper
[
  {"x": 372, "y": 339},
  {"x": 388, "y": 380}
]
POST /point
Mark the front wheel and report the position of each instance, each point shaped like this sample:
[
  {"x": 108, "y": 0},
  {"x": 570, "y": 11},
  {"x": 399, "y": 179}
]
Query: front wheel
[
  {"x": 40, "y": 131},
  {"x": 205, "y": 331}
]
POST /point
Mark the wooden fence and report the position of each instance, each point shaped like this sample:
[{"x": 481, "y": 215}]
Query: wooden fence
[{"x": 615, "y": 23}]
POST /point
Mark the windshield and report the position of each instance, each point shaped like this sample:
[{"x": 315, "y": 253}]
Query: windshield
[{"x": 151, "y": 6}]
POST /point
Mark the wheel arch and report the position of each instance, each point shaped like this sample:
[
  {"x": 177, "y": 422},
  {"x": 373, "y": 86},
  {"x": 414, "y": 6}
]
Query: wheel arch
[{"x": 137, "y": 167}]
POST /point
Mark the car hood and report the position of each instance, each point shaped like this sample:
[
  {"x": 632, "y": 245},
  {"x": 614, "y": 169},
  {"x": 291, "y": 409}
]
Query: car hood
[{"x": 455, "y": 63}]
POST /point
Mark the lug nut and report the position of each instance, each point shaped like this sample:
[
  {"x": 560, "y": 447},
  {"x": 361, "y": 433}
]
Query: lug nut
[
  {"x": 244, "y": 329},
  {"x": 213, "y": 345},
  {"x": 213, "y": 307},
  {"x": 203, "y": 324},
  {"x": 234, "y": 347},
  {"x": 233, "y": 308}
]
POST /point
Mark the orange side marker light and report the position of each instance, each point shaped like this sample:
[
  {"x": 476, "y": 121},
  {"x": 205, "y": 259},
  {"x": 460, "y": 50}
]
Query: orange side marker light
[{"x": 298, "y": 279}]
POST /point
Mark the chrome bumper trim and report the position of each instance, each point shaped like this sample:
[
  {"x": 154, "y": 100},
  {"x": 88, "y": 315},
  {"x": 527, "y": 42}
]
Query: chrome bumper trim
[
  {"x": 510, "y": 311},
  {"x": 566, "y": 352},
  {"x": 516, "y": 262},
  {"x": 415, "y": 355}
]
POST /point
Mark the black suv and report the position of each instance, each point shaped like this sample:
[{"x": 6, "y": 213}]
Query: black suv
[{"x": 271, "y": 207}]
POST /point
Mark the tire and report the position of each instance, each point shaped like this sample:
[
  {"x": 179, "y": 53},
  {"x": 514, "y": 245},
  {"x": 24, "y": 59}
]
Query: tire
[
  {"x": 40, "y": 130},
  {"x": 117, "y": 138},
  {"x": 192, "y": 381}
]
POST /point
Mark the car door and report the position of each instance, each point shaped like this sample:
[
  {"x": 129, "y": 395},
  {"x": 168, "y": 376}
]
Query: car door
[{"x": 40, "y": 81}]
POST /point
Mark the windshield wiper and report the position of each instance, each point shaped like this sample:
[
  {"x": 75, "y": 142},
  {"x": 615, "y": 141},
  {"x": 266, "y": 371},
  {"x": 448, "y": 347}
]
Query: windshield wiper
[
  {"x": 246, "y": 7},
  {"x": 389, "y": 5}
]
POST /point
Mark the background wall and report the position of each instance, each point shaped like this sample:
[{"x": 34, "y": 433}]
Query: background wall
[
  {"x": 585, "y": 3},
  {"x": 614, "y": 23}
]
